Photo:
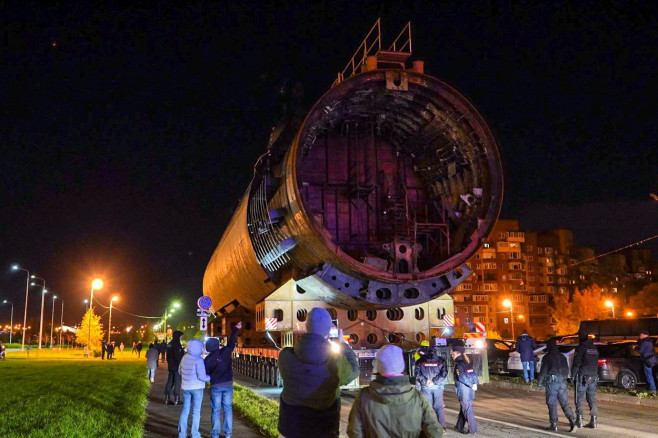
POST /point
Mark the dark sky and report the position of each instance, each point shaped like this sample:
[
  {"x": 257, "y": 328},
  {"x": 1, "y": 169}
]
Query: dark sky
[{"x": 128, "y": 135}]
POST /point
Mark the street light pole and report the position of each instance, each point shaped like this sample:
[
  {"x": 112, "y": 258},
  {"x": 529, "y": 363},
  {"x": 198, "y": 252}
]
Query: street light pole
[
  {"x": 27, "y": 289},
  {"x": 612, "y": 306},
  {"x": 508, "y": 303},
  {"x": 61, "y": 325},
  {"x": 96, "y": 284},
  {"x": 109, "y": 322},
  {"x": 52, "y": 322},
  {"x": 43, "y": 294},
  {"x": 11, "y": 330}
]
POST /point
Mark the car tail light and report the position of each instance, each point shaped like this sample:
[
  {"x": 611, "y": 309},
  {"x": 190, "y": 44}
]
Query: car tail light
[{"x": 604, "y": 362}]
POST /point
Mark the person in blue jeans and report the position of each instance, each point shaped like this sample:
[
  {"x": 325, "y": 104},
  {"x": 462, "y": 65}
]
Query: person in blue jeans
[
  {"x": 219, "y": 368},
  {"x": 193, "y": 381},
  {"x": 646, "y": 350},
  {"x": 526, "y": 347}
]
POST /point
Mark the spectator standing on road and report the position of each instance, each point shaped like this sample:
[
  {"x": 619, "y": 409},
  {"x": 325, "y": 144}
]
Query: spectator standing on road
[
  {"x": 110, "y": 350},
  {"x": 526, "y": 347},
  {"x": 554, "y": 373},
  {"x": 465, "y": 385},
  {"x": 220, "y": 369},
  {"x": 175, "y": 353},
  {"x": 584, "y": 375},
  {"x": 431, "y": 373},
  {"x": 193, "y": 375},
  {"x": 312, "y": 374},
  {"x": 646, "y": 350},
  {"x": 151, "y": 362},
  {"x": 103, "y": 350},
  {"x": 139, "y": 349},
  {"x": 390, "y": 406}
]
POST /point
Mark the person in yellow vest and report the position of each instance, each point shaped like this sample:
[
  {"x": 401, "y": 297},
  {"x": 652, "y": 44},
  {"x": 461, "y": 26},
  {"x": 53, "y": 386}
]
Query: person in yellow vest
[{"x": 424, "y": 346}]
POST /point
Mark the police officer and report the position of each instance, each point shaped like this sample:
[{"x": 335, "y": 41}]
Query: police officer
[
  {"x": 554, "y": 373},
  {"x": 465, "y": 386},
  {"x": 584, "y": 375},
  {"x": 431, "y": 372},
  {"x": 424, "y": 346}
]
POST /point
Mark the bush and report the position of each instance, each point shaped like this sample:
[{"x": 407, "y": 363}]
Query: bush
[{"x": 260, "y": 412}]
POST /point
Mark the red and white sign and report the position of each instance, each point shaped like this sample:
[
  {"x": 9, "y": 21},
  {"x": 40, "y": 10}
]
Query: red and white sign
[
  {"x": 473, "y": 335},
  {"x": 448, "y": 320},
  {"x": 479, "y": 327},
  {"x": 271, "y": 323}
]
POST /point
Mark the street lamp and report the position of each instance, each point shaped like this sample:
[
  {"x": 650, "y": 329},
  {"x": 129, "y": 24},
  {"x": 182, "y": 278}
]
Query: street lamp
[
  {"x": 52, "y": 322},
  {"x": 508, "y": 303},
  {"x": 175, "y": 305},
  {"x": 109, "y": 322},
  {"x": 61, "y": 325},
  {"x": 629, "y": 314},
  {"x": 27, "y": 288},
  {"x": 44, "y": 291},
  {"x": 86, "y": 301},
  {"x": 12, "y": 318},
  {"x": 96, "y": 284},
  {"x": 612, "y": 306}
]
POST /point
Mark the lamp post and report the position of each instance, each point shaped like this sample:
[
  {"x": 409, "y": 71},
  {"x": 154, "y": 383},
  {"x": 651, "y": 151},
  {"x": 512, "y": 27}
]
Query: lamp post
[
  {"x": 44, "y": 291},
  {"x": 27, "y": 289},
  {"x": 86, "y": 301},
  {"x": 96, "y": 284},
  {"x": 612, "y": 306},
  {"x": 61, "y": 325},
  {"x": 109, "y": 322},
  {"x": 11, "y": 330},
  {"x": 52, "y": 322},
  {"x": 508, "y": 303},
  {"x": 172, "y": 308}
]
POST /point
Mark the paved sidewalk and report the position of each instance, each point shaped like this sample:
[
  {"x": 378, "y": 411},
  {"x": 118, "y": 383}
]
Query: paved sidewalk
[{"x": 162, "y": 420}]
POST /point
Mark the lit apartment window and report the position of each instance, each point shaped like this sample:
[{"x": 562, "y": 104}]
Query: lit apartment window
[
  {"x": 515, "y": 266},
  {"x": 515, "y": 255},
  {"x": 537, "y": 298},
  {"x": 489, "y": 266},
  {"x": 502, "y": 235},
  {"x": 480, "y": 297},
  {"x": 518, "y": 298},
  {"x": 490, "y": 286},
  {"x": 466, "y": 286},
  {"x": 478, "y": 309}
]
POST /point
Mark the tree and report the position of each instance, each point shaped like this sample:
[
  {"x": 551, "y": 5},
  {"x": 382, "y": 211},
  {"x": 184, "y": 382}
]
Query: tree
[
  {"x": 148, "y": 335},
  {"x": 585, "y": 304},
  {"x": 83, "y": 334},
  {"x": 646, "y": 301}
]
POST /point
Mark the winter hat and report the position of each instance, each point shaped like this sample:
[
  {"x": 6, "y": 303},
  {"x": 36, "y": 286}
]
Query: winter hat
[
  {"x": 389, "y": 360},
  {"x": 459, "y": 349},
  {"x": 319, "y": 322},
  {"x": 212, "y": 344},
  {"x": 645, "y": 332}
]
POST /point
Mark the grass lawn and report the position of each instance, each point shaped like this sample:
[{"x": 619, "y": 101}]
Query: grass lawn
[{"x": 64, "y": 395}]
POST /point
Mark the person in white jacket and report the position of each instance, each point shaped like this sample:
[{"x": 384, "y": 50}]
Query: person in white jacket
[{"x": 193, "y": 381}]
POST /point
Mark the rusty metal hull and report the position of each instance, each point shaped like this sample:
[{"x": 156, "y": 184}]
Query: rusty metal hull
[{"x": 391, "y": 182}]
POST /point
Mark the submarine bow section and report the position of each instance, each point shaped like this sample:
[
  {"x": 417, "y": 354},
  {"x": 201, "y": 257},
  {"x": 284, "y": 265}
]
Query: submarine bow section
[{"x": 391, "y": 182}]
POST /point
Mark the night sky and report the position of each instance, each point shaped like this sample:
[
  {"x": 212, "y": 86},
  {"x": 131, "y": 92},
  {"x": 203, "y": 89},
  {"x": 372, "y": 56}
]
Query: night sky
[{"x": 128, "y": 135}]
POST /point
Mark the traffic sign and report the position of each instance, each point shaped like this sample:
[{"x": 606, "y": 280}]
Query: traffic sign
[
  {"x": 479, "y": 327},
  {"x": 204, "y": 302},
  {"x": 203, "y": 323},
  {"x": 203, "y": 312}
]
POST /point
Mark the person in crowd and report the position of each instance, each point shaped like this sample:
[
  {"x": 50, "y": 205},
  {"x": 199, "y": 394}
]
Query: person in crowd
[
  {"x": 139, "y": 349},
  {"x": 151, "y": 362},
  {"x": 584, "y": 375},
  {"x": 3, "y": 351},
  {"x": 526, "y": 346},
  {"x": 312, "y": 375},
  {"x": 422, "y": 351},
  {"x": 162, "y": 348},
  {"x": 193, "y": 376},
  {"x": 134, "y": 350},
  {"x": 466, "y": 383},
  {"x": 110, "y": 350},
  {"x": 554, "y": 374},
  {"x": 174, "y": 355},
  {"x": 390, "y": 406},
  {"x": 431, "y": 372},
  {"x": 646, "y": 349},
  {"x": 103, "y": 350},
  {"x": 220, "y": 368},
  {"x": 121, "y": 347}
]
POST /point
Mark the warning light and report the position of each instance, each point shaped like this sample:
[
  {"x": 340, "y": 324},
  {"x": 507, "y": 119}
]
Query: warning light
[{"x": 54, "y": 43}]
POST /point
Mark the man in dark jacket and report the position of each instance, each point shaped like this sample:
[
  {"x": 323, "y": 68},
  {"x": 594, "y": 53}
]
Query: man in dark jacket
[
  {"x": 220, "y": 369},
  {"x": 139, "y": 349},
  {"x": 175, "y": 353},
  {"x": 526, "y": 347},
  {"x": 554, "y": 374},
  {"x": 584, "y": 375},
  {"x": 103, "y": 350},
  {"x": 465, "y": 386},
  {"x": 431, "y": 372},
  {"x": 390, "y": 406},
  {"x": 312, "y": 375},
  {"x": 161, "y": 347},
  {"x": 646, "y": 350}
]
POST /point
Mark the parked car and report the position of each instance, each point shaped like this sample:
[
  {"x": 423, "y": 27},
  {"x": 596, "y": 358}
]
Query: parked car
[
  {"x": 515, "y": 367},
  {"x": 498, "y": 352},
  {"x": 621, "y": 365}
]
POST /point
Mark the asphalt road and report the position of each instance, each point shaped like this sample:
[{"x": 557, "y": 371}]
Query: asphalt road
[{"x": 518, "y": 413}]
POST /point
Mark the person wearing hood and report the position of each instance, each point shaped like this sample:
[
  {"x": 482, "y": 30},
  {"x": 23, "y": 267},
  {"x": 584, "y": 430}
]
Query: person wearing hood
[
  {"x": 466, "y": 383},
  {"x": 220, "y": 368},
  {"x": 526, "y": 347},
  {"x": 193, "y": 381},
  {"x": 431, "y": 372},
  {"x": 175, "y": 353},
  {"x": 312, "y": 375},
  {"x": 151, "y": 362},
  {"x": 554, "y": 373},
  {"x": 390, "y": 406},
  {"x": 584, "y": 375}
]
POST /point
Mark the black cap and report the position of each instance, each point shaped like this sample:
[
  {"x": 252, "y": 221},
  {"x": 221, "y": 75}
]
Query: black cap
[{"x": 458, "y": 348}]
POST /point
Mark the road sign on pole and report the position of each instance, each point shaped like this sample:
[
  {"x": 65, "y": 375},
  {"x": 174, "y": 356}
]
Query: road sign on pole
[
  {"x": 204, "y": 302},
  {"x": 203, "y": 312},
  {"x": 203, "y": 323}
]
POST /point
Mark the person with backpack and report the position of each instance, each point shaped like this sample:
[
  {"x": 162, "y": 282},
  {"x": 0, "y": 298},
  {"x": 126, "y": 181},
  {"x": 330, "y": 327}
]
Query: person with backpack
[
  {"x": 584, "y": 375},
  {"x": 466, "y": 383},
  {"x": 193, "y": 376},
  {"x": 312, "y": 375},
  {"x": 554, "y": 373},
  {"x": 526, "y": 346},
  {"x": 431, "y": 372},
  {"x": 220, "y": 369}
]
